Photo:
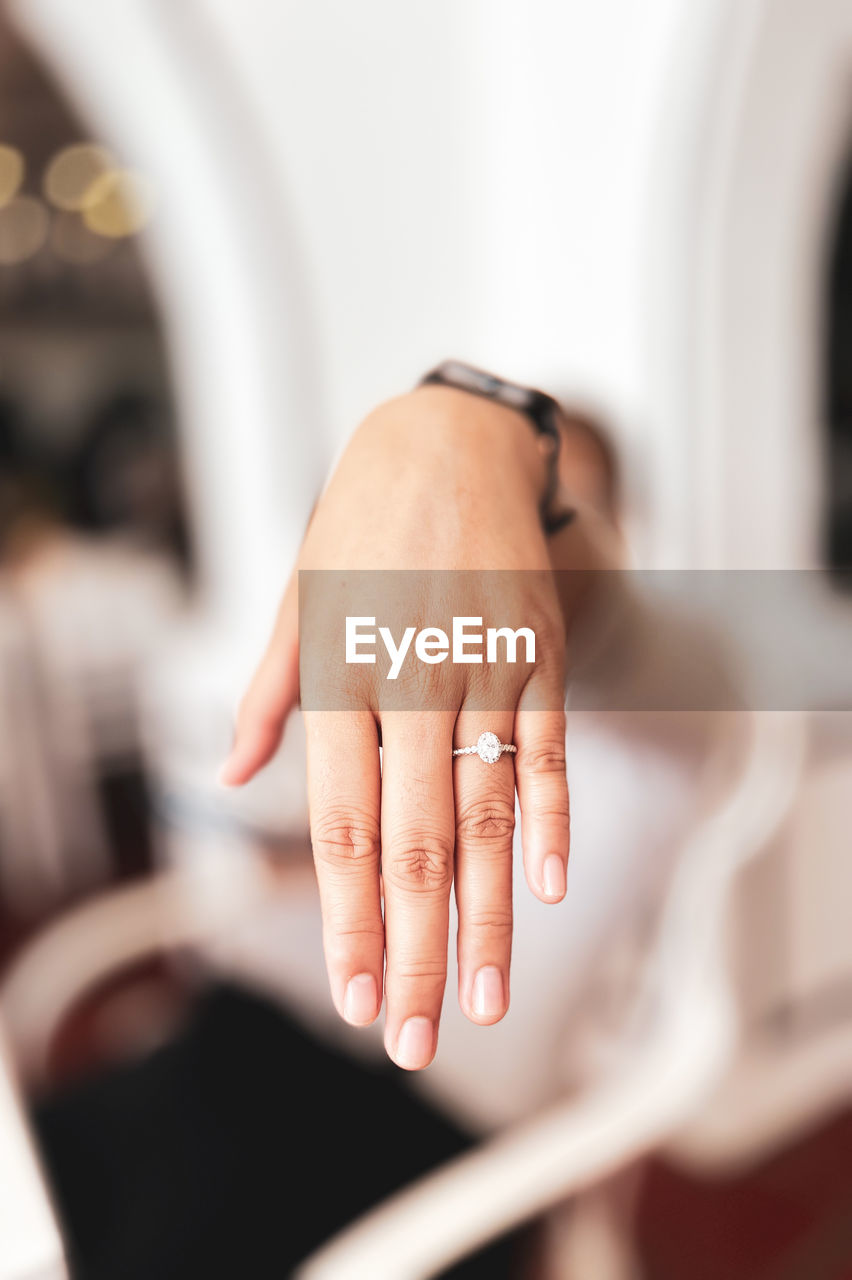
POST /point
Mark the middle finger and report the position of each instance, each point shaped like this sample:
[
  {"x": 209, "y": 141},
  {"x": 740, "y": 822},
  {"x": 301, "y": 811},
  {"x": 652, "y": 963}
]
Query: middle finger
[{"x": 418, "y": 831}]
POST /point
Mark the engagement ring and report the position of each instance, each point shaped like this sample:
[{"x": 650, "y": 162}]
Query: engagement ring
[{"x": 488, "y": 747}]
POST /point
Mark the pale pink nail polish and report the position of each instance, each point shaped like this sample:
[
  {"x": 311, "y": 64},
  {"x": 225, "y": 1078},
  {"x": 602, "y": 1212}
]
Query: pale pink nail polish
[
  {"x": 414, "y": 1046},
  {"x": 360, "y": 1003},
  {"x": 553, "y": 877},
  {"x": 488, "y": 999}
]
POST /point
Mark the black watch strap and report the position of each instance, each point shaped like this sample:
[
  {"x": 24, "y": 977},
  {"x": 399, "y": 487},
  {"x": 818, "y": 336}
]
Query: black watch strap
[{"x": 540, "y": 409}]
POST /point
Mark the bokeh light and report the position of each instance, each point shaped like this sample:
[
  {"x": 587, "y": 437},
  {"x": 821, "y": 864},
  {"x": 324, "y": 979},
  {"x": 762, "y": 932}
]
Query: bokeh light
[
  {"x": 72, "y": 173},
  {"x": 119, "y": 203},
  {"x": 12, "y": 169},
  {"x": 73, "y": 242},
  {"x": 24, "y": 223}
]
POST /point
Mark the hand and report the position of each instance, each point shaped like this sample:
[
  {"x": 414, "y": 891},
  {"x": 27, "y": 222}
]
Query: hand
[{"x": 435, "y": 480}]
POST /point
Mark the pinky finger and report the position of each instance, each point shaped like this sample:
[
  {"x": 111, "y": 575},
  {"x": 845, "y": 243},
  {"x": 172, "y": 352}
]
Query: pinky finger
[{"x": 542, "y": 784}]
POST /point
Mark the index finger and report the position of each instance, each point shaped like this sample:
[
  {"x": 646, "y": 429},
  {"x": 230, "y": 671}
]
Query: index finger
[{"x": 343, "y": 798}]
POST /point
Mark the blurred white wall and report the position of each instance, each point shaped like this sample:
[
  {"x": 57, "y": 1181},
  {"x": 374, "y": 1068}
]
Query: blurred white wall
[
  {"x": 585, "y": 195},
  {"x": 590, "y": 196},
  {"x": 467, "y": 178}
]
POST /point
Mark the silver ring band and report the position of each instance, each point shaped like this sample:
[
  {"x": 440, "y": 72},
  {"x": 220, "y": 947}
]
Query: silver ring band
[{"x": 488, "y": 747}]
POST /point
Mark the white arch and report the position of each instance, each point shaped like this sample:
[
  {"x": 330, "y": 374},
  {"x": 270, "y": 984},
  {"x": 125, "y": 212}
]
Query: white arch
[
  {"x": 153, "y": 80},
  {"x": 759, "y": 118}
]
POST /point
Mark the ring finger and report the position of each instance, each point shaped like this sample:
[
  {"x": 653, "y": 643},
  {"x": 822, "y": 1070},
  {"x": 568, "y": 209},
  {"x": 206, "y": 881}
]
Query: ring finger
[{"x": 485, "y": 824}]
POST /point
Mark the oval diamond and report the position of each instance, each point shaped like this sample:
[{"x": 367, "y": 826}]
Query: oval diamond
[{"x": 488, "y": 748}]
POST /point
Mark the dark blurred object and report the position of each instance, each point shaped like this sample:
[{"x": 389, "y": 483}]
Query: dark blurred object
[
  {"x": 839, "y": 386},
  {"x": 118, "y": 476},
  {"x": 788, "y": 1219},
  {"x": 124, "y": 475},
  {"x": 94, "y": 551},
  {"x": 26, "y": 488},
  {"x": 235, "y": 1151},
  {"x": 81, "y": 350}
]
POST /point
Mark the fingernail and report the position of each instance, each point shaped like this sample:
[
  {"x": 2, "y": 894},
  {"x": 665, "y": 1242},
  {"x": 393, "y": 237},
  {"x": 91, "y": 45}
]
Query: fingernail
[
  {"x": 553, "y": 877},
  {"x": 360, "y": 1003},
  {"x": 414, "y": 1046},
  {"x": 488, "y": 1000}
]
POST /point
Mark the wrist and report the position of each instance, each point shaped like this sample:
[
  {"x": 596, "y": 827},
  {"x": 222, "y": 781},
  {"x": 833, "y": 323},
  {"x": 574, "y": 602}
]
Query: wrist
[{"x": 460, "y": 434}]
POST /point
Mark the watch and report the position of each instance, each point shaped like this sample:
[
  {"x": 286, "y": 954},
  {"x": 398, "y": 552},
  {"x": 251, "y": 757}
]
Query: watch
[{"x": 541, "y": 410}]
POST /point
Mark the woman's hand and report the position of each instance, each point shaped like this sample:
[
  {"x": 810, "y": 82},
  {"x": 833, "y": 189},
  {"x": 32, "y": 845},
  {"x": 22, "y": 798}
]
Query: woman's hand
[{"x": 436, "y": 480}]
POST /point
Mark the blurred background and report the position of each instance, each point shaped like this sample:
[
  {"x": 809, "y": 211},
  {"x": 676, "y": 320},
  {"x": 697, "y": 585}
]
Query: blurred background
[{"x": 226, "y": 233}]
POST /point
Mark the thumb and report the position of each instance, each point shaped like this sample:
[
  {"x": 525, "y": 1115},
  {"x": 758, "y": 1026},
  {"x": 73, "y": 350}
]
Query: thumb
[{"x": 271, "y": 696}]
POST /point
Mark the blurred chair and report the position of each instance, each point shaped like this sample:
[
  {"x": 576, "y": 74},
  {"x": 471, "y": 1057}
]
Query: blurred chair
[
  {"x": 89, "y": 943},
  {"x": 31, "y": 1242},
  {"x": 77, "y": 623}
]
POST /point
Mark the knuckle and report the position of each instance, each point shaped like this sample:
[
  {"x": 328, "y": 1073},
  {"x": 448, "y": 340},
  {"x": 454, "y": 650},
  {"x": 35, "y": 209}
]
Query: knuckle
[
  {"x": 556, "y": 816},
  {"x": 341, "y": 943},
  {"x": 424, "y": 867},
  {"x": 549, "y": 616},
  {"x": 546, "y": 621},
  {"x": 495, "y": 921},
  {"x": 417, "y": 679},
  {"x": 346, "y": 839},
  {"x": 350, "y": 934},
  {"x": 552, "y": 639},
  {"x": 492, "y": 819},
  {"x": 413, "y": 970},
  {"x": 544, "y": 758}
]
